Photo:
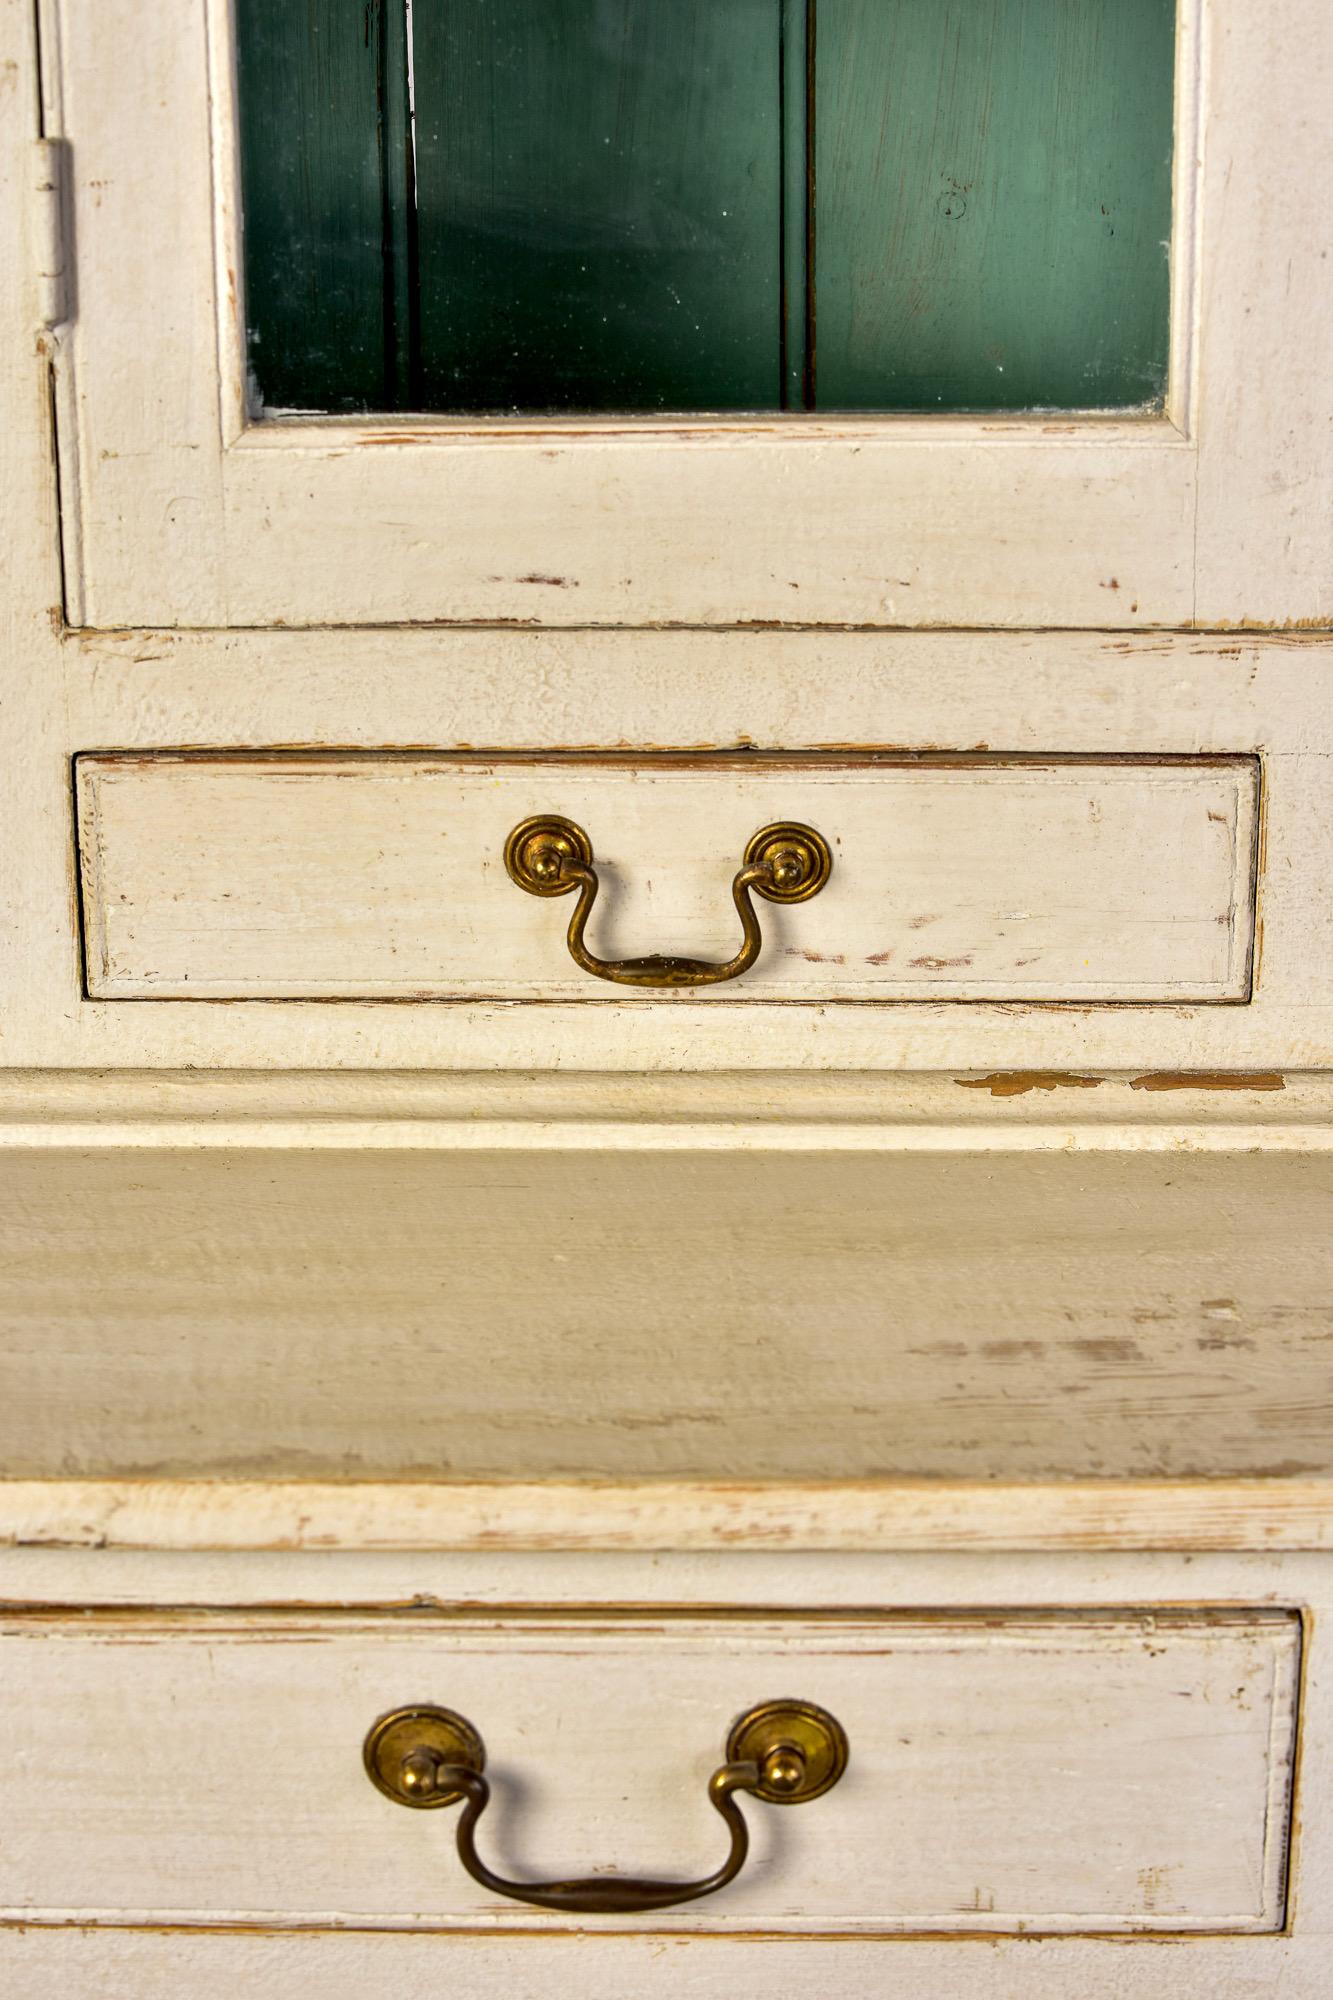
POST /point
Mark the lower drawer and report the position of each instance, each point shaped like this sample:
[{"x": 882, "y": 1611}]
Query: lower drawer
[{"x": 1058, "y": 1773}]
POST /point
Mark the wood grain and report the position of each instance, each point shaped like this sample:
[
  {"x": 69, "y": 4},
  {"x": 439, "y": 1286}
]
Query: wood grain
[
  {"x": 599, "y": 195},
  {"x": 613, "y": 208},
  {"x": 321, "y": 181}
]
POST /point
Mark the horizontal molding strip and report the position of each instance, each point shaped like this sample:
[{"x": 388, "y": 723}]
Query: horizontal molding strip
[
  {"x": 1018, "y": 1110},
  {"x": 878, "y": 1516}
]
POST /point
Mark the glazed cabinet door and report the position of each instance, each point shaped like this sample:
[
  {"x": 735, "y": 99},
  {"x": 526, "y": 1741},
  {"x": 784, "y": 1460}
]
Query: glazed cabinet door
[{"x": 627, "y": 312}]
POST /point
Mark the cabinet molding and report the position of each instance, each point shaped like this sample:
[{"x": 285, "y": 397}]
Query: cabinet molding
[{"x": 828, "y": 1516}]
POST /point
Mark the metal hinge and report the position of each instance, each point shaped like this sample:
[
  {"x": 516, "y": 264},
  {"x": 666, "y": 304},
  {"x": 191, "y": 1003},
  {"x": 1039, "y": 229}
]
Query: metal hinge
[{"x": 50, "y": 235}]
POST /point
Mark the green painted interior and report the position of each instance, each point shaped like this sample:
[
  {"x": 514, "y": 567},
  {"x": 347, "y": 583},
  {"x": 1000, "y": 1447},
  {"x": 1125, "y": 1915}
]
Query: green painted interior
[
  {"x": 598, "y": 197},
  {"x": 657, "y": 205},
  {"x": 994, "y": 200},
  {"x": 319, "y": 186}
]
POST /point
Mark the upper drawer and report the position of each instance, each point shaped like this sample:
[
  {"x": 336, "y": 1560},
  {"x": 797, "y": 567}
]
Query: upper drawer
[
  {"x": 1061, "y": 1773},
  {"x": 384, "y": 876}
]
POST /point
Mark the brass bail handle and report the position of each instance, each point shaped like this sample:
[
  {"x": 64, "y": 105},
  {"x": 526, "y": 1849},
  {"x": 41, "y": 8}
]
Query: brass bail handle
[
  {"x": 784, "y": 1752},
  {"x": 783, "y": 863}
]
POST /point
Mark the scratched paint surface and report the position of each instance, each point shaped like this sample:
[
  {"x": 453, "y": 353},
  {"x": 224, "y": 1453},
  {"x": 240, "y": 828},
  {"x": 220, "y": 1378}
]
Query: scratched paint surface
[
  {"x": 646, "y": 205},
  {"x": 574, "y": 1312}
]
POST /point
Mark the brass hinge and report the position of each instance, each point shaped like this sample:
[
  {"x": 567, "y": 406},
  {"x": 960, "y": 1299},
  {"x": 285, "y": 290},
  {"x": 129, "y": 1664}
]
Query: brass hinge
[{"x": 50, "y": 235}]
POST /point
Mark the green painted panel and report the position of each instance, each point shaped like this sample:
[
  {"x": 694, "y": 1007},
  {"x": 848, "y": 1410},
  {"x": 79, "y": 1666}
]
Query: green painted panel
[
  {"x": 993, "y": 199},
  {"x": 322, "y": 87},
  {"x": 798, "y": 161},
  {"x": 599, "y": 189}
]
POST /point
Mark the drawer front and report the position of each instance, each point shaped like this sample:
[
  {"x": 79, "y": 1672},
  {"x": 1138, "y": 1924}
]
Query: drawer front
[
  {"x": 384, "y": 877},
  {"x": 1061, "y": 1773}
]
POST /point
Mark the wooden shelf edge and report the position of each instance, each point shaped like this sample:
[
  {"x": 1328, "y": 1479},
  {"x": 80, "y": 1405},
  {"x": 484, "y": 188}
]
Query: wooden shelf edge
[{"x": 878, "y": 1516}]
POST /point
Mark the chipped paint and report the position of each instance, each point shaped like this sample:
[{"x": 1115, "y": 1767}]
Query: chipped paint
[
  {"x": 1210, "y": 1080},
  {"x": 1018, "y": 1082}
]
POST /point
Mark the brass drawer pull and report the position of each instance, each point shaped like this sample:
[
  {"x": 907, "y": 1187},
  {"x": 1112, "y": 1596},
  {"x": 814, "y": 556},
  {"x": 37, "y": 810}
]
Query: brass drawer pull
[
  {"x": 784, "y": 863},
  {"x": 783, "y": 1751}
]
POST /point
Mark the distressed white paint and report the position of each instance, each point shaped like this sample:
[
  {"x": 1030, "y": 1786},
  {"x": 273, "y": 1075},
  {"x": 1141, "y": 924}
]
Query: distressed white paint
[
  {"x": 1064, "y": 1774},
  {"x": 385, "y": 878},
  {"x": 696, "y": 1314},
  {"x": 549, "y": 1516},
  {"x": 1043, "y": 695},
  {"x": 155, "y": 528},
  {"x": 1038, "y": 693}
]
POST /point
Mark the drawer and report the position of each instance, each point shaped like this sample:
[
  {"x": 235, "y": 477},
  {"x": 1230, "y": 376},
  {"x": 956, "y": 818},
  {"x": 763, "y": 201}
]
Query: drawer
[
  {"x": 384, "y": 877},
  {"x": 1062, "y": 1772}
]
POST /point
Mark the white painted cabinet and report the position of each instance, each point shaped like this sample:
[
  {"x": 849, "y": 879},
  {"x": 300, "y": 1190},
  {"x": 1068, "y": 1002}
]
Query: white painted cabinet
[
  {"x": 1043, "y": 1789},
  {"x": 394, "y": 1309},
  {"x": 951, "y": 879}
]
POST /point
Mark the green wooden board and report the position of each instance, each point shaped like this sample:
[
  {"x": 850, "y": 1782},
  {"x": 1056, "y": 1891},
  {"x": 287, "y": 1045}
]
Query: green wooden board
[
  {"x": 323, "y": 188},
  {"x": 599, "y": 186},
  {"x": 993, "y": 203},
  {"x": 672, "y": 205}
]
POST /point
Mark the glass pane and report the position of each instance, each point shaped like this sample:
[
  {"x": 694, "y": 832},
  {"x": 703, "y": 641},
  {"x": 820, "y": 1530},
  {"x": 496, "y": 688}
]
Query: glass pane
[{"x": 558, "y": 206}]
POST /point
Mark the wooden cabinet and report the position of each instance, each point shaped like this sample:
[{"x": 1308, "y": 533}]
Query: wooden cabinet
[
  {"x": 991, "y": 631},
  {"x": 930, "y": 1321},
  {"x": 1061, "y": 1772}
]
